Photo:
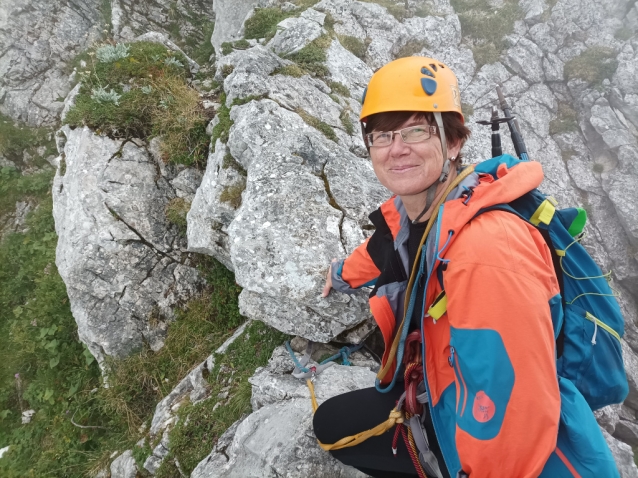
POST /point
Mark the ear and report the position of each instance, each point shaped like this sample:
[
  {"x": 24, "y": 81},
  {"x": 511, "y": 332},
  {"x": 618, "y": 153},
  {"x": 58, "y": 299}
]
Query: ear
[{"x": 453, "y": 149}]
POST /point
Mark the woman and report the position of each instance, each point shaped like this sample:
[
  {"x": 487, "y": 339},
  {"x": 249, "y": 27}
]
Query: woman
[{"x": 478, "y": 334}]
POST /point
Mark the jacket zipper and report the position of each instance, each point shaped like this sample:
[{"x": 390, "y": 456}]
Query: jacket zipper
[
  {"x": 459, "y": 376},
  {"x": 434, "y": 416},
  {"x": 599, "y": 323}
]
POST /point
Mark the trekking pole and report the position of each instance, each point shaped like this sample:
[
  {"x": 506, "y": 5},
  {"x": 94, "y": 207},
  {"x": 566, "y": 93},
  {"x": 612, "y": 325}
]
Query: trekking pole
[
  {"x": 512, "y": 123},
  {"x": 495, "y": 121}
]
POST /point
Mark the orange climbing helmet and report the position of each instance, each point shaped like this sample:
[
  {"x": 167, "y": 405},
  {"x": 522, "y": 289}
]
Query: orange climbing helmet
[{"x": 414, "y": 83}]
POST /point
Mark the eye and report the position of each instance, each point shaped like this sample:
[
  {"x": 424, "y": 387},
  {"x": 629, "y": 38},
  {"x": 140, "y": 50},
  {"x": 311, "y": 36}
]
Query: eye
[{"x": 380, "y": 137}]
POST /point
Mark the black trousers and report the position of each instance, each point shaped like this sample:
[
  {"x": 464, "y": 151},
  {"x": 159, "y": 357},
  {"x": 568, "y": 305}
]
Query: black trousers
[{"x": 357, "y": 411}]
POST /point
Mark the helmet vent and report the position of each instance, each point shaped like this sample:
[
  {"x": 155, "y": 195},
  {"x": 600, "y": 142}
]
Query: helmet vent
[
  {"x": 433, "y": 66},
  {"x": 442, "y": 66},
  {"x": 426, "y": 71}
]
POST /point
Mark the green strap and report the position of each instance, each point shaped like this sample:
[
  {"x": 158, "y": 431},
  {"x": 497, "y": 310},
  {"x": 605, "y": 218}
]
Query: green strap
[{"x": 578, "y": 224}]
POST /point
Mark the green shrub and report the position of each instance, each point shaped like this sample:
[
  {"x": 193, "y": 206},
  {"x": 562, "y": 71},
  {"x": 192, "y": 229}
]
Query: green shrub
[
  {"x": 263, "y": 23},
  {"x": 142, "y": 95},
  {"x": 566, "y": 120},
  {"x": 354, "y": 45},
  {"x": 15, "y": 187},
  {"x": 202, "y": 51},
  {"x": 593, "y": 65},
  {"x": 191, "y": 442},
  {"x": 316, "y": 123}
]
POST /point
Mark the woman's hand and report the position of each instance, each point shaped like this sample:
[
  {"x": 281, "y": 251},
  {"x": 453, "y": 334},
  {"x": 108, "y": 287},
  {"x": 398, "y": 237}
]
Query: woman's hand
[{"x": 328, "y": 286}]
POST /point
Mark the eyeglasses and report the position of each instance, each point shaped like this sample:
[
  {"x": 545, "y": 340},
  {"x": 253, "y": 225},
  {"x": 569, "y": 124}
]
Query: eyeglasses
[{"x": 411, "y": 134}]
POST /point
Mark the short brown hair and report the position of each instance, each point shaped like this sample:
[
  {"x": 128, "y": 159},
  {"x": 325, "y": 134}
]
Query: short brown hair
[{"x": 455, "y": 131}]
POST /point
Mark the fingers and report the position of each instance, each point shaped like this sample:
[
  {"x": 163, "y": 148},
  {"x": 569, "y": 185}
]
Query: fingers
[{"x": 328, "y": 286}]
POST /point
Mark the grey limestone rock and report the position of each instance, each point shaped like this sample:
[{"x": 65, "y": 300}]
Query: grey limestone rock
[
  {"x": 623, "y": 455},
  {"x": 229, "y": 20},
  {"x": 290, "y": 223},
  {"x": 277, "y": 438},
  {"x": 182, "y": 20},
  {"x": 347, "y": 69},
  {"x": 124, "y": 264},
  {"x": 124, "y": 466},
  {"x": 163, "y": 39},
  {"x": 38, "y": 38},
  {"x": 295, "y": 33},
  {"x": 209, "y": 216}
]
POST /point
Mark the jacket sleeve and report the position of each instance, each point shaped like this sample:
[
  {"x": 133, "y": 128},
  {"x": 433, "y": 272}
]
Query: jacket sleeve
[
  {"x": 355, "y": 271},
  {"x": 500, "y": 290}
]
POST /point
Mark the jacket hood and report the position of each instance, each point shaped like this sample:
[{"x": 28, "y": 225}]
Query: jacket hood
[{"x": 499, "y": 180}]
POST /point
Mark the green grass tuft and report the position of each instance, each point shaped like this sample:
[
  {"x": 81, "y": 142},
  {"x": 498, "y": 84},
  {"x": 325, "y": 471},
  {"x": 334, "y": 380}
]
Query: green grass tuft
[
  {"x": 354, "y": 45},
  {"x": 593, "y": 65},
  {"x": 176, "y": 211},
  {"x": 565, "y": 121},
  {"x": 154, "y": 99},
  {"x": 316, "y": 123},
  {"x": 397, "y": 10},
  {"x": 15, "y": 139},
  {"x": 263, "y": 23},
  {"x": 339, "y": 88},
  {"x": 487, "y": 26},
  {"x": 346, "y": 121},
  {"x": 191, "y": 443},
  {"x": 412, "y": 47},
  {"x": 230, "y": 162},
  {"x": 293, "y": 70},
  {"x": 312, "y": 57},
  {"x": 222, "y": 128},
  {"x": 232, "y": 194}
]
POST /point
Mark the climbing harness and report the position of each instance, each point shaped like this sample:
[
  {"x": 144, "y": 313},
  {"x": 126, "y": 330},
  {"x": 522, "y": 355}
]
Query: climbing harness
[{"x": 303, "y": 371}]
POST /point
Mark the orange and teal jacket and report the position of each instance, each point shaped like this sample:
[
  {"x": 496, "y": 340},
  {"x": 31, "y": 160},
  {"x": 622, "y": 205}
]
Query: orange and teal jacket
[{"x": 498, "y": 407}]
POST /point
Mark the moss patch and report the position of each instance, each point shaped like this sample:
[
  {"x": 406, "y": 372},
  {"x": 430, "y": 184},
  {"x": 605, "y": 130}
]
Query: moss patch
[
  {"x": 623, "y": 34},
  {"x": 593, "y": 65},
  {"x": 142, "y": 95},
  {"x": 566, "y": 120},
  {"x": 316, "y": 123}
]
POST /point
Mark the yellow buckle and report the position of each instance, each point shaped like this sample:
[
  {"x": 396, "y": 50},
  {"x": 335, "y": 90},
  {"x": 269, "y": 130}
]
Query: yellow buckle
[{"x": 545, "y": 212}]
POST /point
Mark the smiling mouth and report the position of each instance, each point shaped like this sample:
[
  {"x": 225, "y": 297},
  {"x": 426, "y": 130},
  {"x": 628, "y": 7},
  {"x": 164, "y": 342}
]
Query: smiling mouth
[{"x": 402, "y": 169}]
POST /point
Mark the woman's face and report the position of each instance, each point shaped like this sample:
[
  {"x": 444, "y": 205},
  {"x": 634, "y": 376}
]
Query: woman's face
[{"x": 409, "y": 169}]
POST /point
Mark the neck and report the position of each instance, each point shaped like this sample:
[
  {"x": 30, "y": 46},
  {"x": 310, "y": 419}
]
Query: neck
[{"x": 415, "y": 203}]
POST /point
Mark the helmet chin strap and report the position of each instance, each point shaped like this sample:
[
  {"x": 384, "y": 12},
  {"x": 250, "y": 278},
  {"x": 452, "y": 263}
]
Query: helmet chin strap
[{"x": 445, "y": 171}]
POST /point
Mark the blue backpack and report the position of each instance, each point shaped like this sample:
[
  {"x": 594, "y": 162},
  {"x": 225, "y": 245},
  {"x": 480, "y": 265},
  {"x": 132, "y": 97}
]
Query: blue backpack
[{"x": 588, "y": 323}]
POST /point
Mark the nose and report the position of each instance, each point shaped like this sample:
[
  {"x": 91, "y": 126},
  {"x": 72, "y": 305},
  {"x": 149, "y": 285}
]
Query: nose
[{"x": 398, "y": 147}]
